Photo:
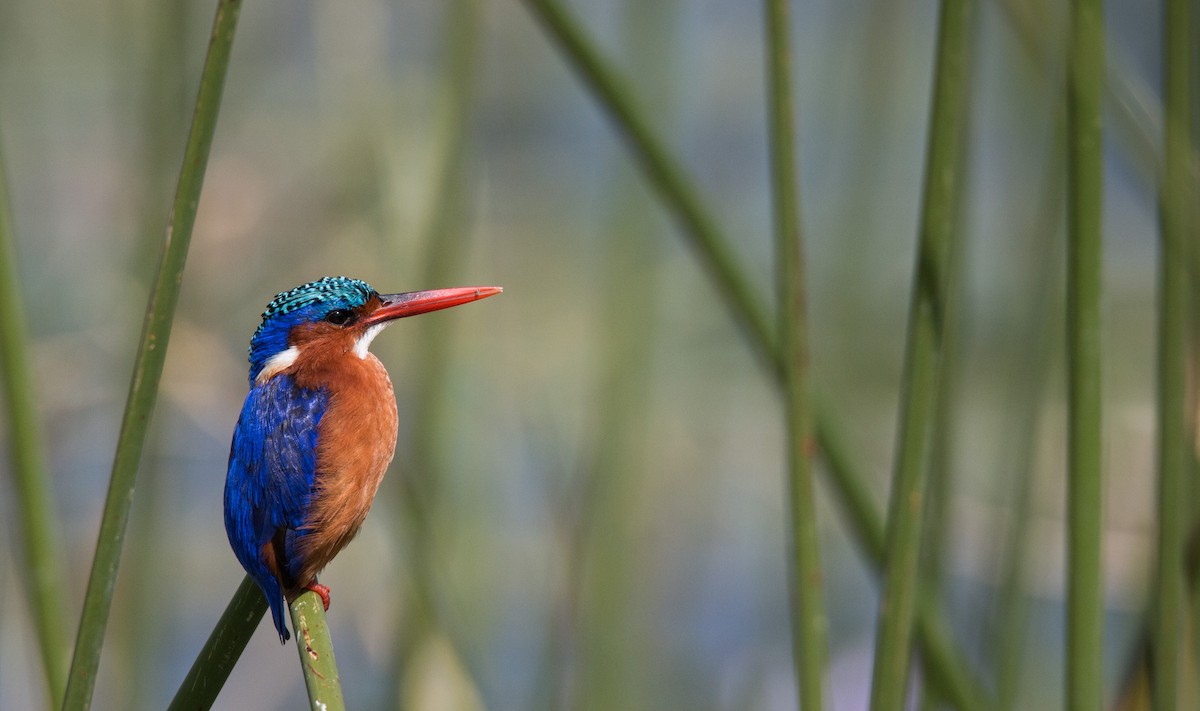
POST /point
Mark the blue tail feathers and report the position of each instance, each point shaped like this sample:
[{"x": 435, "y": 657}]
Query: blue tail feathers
[{"x": 269, "y": 585}]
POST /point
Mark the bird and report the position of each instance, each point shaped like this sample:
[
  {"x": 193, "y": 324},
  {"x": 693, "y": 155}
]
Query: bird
[{"x": 316, "y": 432}]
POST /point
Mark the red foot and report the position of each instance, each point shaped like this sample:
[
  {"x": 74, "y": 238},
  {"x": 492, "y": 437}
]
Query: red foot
[{"x": 322, "y": 590}]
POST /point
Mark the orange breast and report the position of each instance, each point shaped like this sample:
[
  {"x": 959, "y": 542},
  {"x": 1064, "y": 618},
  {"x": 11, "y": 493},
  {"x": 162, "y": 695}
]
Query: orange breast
[{"x": 356, "y": 442}]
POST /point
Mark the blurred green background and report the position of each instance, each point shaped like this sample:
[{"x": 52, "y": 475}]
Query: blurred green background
[{"x": 586, "y": 508}]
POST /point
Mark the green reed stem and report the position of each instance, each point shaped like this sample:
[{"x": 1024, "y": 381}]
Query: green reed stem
[
  {"x": 43, "y": 567},
  {"x": 152, "y": 349},
  {"x": 1135, "y": 119},
  {"x": 810, "y": 644},
  {"x": 211, "y": 669},
  {"x": 316, "y": 653},
  {"x": 936, "y": 528},
  {"x": 677, "y": 193},
  {"x": 446, "y": 242},
  {"x": 1041, "y": 296},
  {"x": 943, "y": 662},
  {"x": 595, "y": 657},
  {"x": 667, "y": 179},
  {"x": 221, "y": 652},
  {"x": 1175, "y": 203},
  {"x": 919, "y": 389},
  {"x": 1085, "y": 165}
]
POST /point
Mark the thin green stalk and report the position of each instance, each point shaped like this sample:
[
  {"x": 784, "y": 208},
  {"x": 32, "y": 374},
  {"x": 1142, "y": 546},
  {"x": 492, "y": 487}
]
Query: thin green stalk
[
  {"x": 1085, "y": 165},
  {"x": 152, "y": 349},
  {"x": 1027, "y": 385},
  {"x": 810, "y": 644},
  {"x": 1193, "y": 457},
  {"x": 316, "y": 653},
  {"x": 667, "y": 179},
  {"x": 943, "y": 662},
  {"x": 1012, "y": 600},
  {"x": 937, "y": 530},
  {"x": 216, "y": 660},
  {"x": 919, "y": 389},
  {"x": 601, "y": 570},
  {"x": 1175, "y": 203},
  {"x": 701, "y": 232},
  {"x": 43, "y": 567},
  {"x": 446, "y": 244},
  {"x": 1136, "y": 119},
  {"x": 601, "y": 662},
  {"x": 156, "y": 73}
]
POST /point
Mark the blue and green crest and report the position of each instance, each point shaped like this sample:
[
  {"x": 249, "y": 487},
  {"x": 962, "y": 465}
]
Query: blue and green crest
[{"x": 305, "y": 303}]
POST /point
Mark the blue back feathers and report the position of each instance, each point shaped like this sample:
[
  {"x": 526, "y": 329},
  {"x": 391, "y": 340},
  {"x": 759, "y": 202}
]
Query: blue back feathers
[
  {"x": 305, "y": 303},
  {"x": 272, "y": 465}
]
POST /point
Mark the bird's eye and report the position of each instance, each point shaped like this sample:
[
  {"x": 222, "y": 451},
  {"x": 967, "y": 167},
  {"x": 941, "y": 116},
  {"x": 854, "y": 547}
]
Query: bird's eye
[{"x": 339, "y": 317}]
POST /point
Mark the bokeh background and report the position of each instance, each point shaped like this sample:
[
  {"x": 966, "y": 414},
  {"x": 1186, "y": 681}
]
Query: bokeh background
[{"x": 586, "y": 508}]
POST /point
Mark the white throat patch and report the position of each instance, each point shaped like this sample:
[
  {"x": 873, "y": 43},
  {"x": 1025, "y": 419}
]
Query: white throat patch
[
  {"x": 364, "y": 341},
  {"x": 277, "y": 363}
]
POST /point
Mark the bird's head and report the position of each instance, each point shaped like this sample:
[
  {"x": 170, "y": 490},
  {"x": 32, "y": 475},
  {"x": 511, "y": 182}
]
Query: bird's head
[{"x": 335, "y": 317}]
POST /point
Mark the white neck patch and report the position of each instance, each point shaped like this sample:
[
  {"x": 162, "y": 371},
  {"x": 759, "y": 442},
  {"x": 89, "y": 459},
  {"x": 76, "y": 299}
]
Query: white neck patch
[
  {"x": 277, "y": 363},
  {"x": 284, "y": 359},
  {"x": 364, "y": 341}
]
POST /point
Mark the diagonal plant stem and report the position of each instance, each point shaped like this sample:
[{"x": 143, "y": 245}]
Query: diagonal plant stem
[
  {"x": 1130, "y": 101},
  {"x": 919, "y": 387},
  {"x": 810, "y": 643},
  {"x": 942, "y": 661},
  {"x": 233, "y": 631},
  {"x": 937, "y": 530},
  {"x": 220, "y": 653},
  {"x": 1175, "y": 204},
  {"x": 316, "y": 653},
  {"x": 671, "y": 184},
  {"x": 1085, "y": 164},
  {"x": 43, "y": 567},
  {"x": 143, "y": 389},
  {"x": 945, "y": 663}
]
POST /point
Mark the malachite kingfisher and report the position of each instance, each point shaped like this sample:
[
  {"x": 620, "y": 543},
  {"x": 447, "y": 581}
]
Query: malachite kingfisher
[{"x": 317, "y": 430}]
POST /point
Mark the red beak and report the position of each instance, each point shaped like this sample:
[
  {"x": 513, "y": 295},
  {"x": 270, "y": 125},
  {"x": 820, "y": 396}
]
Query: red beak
[{"x": 420, "y": 302}]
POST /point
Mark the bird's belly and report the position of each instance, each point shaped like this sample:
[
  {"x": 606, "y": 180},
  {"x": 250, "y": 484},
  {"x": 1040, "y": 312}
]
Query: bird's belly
[{"x": 356, "y": 443}]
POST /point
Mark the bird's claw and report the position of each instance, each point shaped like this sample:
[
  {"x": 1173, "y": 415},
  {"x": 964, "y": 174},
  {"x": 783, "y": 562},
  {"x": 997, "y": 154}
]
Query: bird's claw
[{"x": 322, "y": 590}]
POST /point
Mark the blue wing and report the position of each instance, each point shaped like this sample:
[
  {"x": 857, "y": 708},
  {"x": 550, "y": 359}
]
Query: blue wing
[{"x": 272, "y": 463}]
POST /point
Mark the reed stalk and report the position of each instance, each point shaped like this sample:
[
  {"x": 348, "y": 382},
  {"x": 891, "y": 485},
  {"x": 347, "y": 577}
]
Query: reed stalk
[
  {"x": 937, "y": 527},
  {"x": 152, "y": 349},
  {"x": 666, "y": 177},
  {"x": 1028, "y": 384},
  {"x": 1085, "y": 164},
  {"x": 446, "y": 242},
  {"x": 595, "y": 659},
  {"x": 943, "y": 661},
  {"x": 1175, "y": 203},
  {"x": 920, "y": 380},
  {"x": 211, "y": 669},
  {"x": 42, "y": 565},
  {"x": 810, "y": 644},
  {"x": 155, "y": 72},
  {"x": 1136, "y": 120},
  {"x": 316, "y": 653},
  {"x": 601, "y": 573},
  {"x": 221, "y": 652},
  {"x": 701, "y": 232}
]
